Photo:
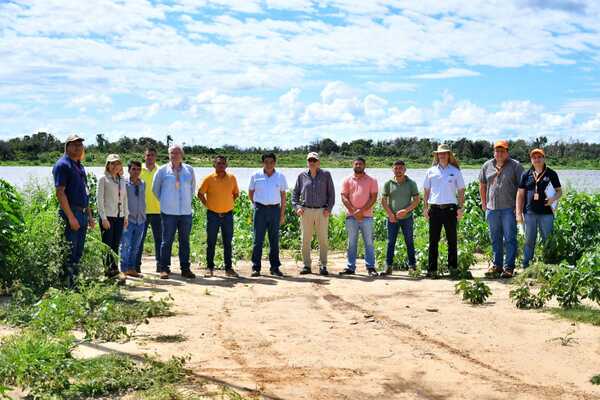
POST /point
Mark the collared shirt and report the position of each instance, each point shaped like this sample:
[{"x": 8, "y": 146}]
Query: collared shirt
[
  {"x": 550, "y": 177},
  {"x": 219, "y": 191},
  {"x": 152, "y": 203},
  {"x": 400, "y": 195},
  {"x": 314, "y": 192},
  {"x": 502, "y": 184},
  {"x": 444, "y": 183},
  {"x": 136, "y": 201},
  {"x": 71, "y": 175},
  {"x": 175, "y": 199},
  {"x": 359, "y": 190},
  {"x": 267, "y": 189},
  {"x": 111, "y": 196}
]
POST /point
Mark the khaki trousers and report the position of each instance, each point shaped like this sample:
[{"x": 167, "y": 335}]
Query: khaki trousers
[{"x": 314, "y": 220}]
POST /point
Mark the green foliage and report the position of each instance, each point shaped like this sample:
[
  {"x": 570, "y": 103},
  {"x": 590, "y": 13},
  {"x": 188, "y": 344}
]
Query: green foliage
[
  {"x": 476, "y": 292},
  {"x": 524, "y": 299},
  {"x": 11, "y": 217},
  {"x": 579, "y": 313},
  {"x": 595, "y": 380}
]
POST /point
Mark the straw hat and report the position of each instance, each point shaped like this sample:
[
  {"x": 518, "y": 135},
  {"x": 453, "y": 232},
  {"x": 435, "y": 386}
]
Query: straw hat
[{"x": 443, "y": 148}]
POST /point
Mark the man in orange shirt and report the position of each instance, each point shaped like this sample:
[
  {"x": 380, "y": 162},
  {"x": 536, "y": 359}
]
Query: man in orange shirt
[{"x": 218, "y": 192}]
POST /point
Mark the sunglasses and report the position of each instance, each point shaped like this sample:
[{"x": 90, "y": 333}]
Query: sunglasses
[{"x": 312, "y": 160}]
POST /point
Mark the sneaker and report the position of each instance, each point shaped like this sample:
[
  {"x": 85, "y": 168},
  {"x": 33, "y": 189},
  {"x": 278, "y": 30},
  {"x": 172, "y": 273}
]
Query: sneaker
[
  {"x": 305, "y": 270},
  {"x": 276, "y": 272},
  {"x": 323, "y": 271},
  {"x": 133, "y": 273},
  {"x": 386, "y": 271},
  {"x": 164, "y": 275},
  {"x": 255, "y": 273},
  {"x": 231, "y": 273},
  {"x": 186, "y": 273},
  {"x": 346, "y": 271},
  {"x": 372, "y": 272},
  {"x": 209, "y": 273}
]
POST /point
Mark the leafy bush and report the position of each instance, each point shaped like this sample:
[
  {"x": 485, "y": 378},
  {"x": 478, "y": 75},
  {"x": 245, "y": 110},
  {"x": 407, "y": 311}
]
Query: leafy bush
[
  {"x": 596, "y": 380},
  {"x": 524, "y": 299},
  {"x": 11, "y": 224},
  {"x": 476, "y": 292}
]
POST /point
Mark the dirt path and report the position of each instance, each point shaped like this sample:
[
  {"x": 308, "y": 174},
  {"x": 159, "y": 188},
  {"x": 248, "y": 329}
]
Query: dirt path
[{"x": 312, "y": 337}]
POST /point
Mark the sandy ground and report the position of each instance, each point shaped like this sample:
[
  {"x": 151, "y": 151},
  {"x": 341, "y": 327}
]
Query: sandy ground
[{"x": 313, "y": 337}]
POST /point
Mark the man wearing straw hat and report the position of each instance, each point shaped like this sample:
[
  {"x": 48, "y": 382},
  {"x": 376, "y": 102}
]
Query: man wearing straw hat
[
  {"x": 70, "y": 181},
  {"x": 444, "y": 198}
]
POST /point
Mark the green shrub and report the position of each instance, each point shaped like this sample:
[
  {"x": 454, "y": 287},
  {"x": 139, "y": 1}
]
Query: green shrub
[
  {"x": 475, "y": 292},
  {"x": 524, "y": 299},
  {"x": 11, "y": 224}
]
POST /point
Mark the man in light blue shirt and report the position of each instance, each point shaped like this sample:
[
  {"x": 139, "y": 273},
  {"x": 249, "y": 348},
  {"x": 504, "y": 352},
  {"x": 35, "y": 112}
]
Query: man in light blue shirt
[
  {"x": 444, "y": 188},
  {"x": 267, "y": 192},
  {"x": 174, "y": 185}
]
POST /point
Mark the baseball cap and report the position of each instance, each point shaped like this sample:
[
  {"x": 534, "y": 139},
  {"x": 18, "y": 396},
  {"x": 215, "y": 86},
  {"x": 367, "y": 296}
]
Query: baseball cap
[
  {"x": 501, "y": 143},
  {"x": 537, "y": 151},
  {"x": 312, "y": 154},
  {"x": 73, "y": 138}
]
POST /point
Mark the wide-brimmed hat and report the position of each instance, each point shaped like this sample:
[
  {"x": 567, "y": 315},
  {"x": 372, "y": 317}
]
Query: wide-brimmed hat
[{"x": 442, "y": 148}]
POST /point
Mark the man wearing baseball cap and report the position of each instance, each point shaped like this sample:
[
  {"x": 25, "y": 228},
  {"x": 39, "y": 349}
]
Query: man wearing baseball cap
[
  {"x": 313, "y": 199},
  {"x": 498, "y": 183},
  {"x": 70, "y": 181}
]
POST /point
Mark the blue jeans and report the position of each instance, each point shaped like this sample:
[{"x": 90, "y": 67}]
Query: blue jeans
[
  {"x": 503, "y": 232},
  {"x": 407, "y": 231},
  {"x": 131, "y": 241},
  {"x": 171, "y": 224},
  {"x": 214, "y": 221},
  {"x": 76, "y": 240},
  {"x": 533, "y": 222},
  {"x": 365, "y": 227},
  {"x": 266, "y": 219},
  {"x": 154, "y": 221}
]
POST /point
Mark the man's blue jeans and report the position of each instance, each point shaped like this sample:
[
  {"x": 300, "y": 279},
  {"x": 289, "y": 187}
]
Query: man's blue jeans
[
  {"x": 365, "y": 227},
  {"x": 131, "y": 241},
  {"x": 503, "y": 233},
  {"x": 214, "y": 221},
  {"x": 171, "y": 224},
  {"x": 533, "y": 222},
  {"x": 407, "y": 231},
  {"x": 266, "y": 219},
  {"x": 76, "y": 240},
  {"x": 154, "y": 221}
]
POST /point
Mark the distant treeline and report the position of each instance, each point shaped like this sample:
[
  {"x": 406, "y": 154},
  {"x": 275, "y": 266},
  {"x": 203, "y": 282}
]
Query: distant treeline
[{"x": 43, "y": 148}]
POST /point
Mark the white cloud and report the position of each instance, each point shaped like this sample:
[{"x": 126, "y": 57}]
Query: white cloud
[
  {"x": 390, "y": 87},
  {"x": 101, "y": 101},
  {"x": 449, "y": 73}
]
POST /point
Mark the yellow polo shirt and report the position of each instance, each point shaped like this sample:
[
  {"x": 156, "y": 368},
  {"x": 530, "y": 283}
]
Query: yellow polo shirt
[
  {"x": 152, "y": 203},
  {"x": 219, "y": 192}
]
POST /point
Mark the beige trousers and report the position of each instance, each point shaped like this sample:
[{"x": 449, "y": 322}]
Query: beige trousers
[{"x": 314, "y": 220}]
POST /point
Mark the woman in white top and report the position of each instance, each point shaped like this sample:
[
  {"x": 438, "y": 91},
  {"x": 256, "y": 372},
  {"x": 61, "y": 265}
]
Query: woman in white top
[
  {"x": 113, "y": 211},
  {"x": 444, "y": 198}
]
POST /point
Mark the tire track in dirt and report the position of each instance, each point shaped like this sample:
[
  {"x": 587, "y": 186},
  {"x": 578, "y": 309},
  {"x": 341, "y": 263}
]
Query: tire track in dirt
[{"x": 416, "y": 335}]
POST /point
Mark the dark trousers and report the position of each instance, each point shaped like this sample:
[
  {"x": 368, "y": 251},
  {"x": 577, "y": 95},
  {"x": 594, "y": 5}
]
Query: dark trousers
[
  {"x": 407, "y": 231},
  {"x": 266, "y": 219},
  {"x": 447, "y": 218},
  {"x": 154, "y": 221},
  {"x": 182, "y": 224},
  {"x": 214, "y": 221},
  {"x": 112, "y": 238},
  {"x": 76, "y": 240}
]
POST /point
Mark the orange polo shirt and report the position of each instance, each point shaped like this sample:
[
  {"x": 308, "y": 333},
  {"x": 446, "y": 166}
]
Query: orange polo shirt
[{"x": 219, "y": 192}]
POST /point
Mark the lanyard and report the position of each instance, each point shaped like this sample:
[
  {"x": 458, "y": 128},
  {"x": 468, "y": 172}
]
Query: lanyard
[{"x": 538, "y": 178}]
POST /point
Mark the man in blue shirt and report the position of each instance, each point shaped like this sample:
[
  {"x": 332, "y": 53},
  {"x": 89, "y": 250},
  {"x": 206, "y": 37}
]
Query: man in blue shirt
[
  {"x": 267, "y": 192},
  {"x": 174, "y": 185},
  {"x": 70, "y": 181}
]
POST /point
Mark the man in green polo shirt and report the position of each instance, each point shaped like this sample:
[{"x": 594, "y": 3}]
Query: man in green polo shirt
[{"x": 400, "y": 198}]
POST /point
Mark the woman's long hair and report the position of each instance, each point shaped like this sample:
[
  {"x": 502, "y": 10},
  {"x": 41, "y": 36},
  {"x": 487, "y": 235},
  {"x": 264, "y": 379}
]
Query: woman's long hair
[{"x": 452, "y": 160}]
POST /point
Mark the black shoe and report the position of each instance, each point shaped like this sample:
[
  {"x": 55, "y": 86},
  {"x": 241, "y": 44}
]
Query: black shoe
[
  {"x": 186, "y": 273},
  {"x": 454, "y": 273},
  {"x": 111, "y": 273},
  {"x": 323, "y": 271},
  {"x": 432, "y": 275},
  {"x": 255, "y": 273},
  {"x": 372, "y": 272},
  {"x": 346, "y": 271},
  {"x": 387, "y": 271},
  {"x": 305, "y": 271},
  {"x": 276, "y": 272}
]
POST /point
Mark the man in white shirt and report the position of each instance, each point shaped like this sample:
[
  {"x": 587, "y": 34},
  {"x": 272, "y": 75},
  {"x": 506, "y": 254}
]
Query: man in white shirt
[
  {"x": 444, "y": 198},
  {"x": 267, "y": 192}
]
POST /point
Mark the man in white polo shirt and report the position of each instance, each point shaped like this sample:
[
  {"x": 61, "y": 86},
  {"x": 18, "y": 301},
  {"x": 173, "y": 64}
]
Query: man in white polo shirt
[
  {"x": 444, "y": 188},
  {"x": 267, "y": 192}
]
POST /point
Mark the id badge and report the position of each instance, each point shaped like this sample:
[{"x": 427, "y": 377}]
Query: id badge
[{"x": 536, "y": 196}]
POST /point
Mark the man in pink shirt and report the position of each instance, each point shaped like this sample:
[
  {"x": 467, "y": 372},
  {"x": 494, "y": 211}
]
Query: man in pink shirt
[{"x": 359, "y": 194}]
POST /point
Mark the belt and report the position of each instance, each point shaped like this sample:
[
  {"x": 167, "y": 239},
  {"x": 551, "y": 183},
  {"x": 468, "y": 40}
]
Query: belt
[
  {"x": 221, "y": 215},
  {"x": 314, "y": 207},
  {"x": 82, "y": 209},
  {"x": 267, "y": 205},
  {"x": 442, "y": 206}
]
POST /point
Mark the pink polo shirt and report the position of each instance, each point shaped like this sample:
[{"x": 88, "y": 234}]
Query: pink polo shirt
[{"x": 359, "y": 191}]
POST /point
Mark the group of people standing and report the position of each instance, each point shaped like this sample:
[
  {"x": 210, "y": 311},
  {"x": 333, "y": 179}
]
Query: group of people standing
[{"x": 160, "y": 198}]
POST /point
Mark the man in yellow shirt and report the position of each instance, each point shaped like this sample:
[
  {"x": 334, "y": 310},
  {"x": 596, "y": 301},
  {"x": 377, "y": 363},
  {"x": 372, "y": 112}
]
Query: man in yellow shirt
[
  {"x": 149, "y": 169},
  {"x": 218, "y": 192}
]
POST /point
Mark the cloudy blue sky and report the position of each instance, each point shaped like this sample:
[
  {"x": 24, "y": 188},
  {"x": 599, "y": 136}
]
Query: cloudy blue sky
[{"x": 288, "y": 72}]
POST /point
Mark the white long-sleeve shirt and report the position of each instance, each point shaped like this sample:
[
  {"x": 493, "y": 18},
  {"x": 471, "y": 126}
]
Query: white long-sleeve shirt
[{"x": 111, "y": 197}]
